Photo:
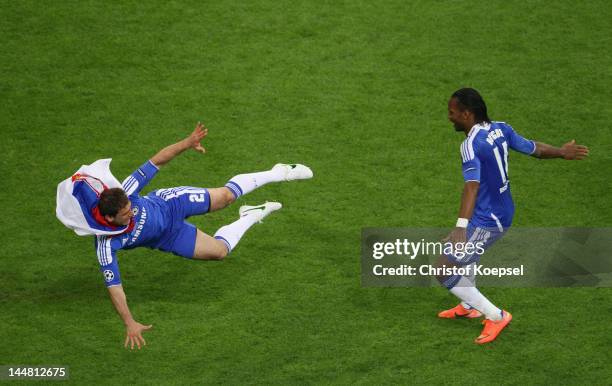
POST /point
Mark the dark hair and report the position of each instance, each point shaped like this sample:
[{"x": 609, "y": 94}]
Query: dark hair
[
  {"x": 111, "y": 201},
  {"x": 469, "y": 99}
]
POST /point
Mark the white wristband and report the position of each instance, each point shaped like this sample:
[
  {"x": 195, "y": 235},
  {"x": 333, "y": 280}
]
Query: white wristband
[{"x": 462, "y": 222}]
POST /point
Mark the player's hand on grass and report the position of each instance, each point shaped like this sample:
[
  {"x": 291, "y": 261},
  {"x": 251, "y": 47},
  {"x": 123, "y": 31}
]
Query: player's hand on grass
[
  {"x": 571, "y": 151},
  {"x": 193, "y": 141},
  {"x": 134, "y": 335}
]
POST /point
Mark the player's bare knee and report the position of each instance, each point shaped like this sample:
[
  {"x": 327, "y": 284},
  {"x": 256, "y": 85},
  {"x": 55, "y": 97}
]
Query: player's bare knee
[
  {"x": 223, "y": 253},
  {"x": 220, "y": 251},
  {"x": 228, "y": 196}
]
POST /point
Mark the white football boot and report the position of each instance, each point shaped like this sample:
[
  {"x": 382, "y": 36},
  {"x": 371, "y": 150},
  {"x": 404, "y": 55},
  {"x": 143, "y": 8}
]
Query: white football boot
[
  {"x": 261, "y": 211},
  {"x": 294, "y": 171}
]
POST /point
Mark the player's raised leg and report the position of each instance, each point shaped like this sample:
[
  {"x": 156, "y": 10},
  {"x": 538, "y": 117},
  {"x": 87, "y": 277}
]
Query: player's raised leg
[
  {"x": 228, "y": 236},
  {"x": 246, "y": 183}
]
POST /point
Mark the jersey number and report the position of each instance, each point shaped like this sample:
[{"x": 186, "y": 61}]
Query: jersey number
[
  {"x": 197, "y": 197},
  {"x": 502, "y": 165}
]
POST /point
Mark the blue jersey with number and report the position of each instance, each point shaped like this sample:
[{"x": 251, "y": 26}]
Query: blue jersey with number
[
  {"x": 485, "y": 159},
  {"x": 158, "y": 221}
]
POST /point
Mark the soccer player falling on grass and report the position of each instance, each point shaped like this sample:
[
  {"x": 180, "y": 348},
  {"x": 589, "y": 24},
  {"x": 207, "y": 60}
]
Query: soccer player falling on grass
[
  {"x": 486, "y": 204},
  {"x": 122, "y": 219}
]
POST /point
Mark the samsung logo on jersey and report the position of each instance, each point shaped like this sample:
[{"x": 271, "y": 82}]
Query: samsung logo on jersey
[
  {"x": 139, "y": 225},
  {"x": 493, "y": 135}
]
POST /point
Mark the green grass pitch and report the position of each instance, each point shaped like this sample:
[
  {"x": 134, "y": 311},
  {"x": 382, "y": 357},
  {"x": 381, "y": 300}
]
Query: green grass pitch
[{"x": 355, "y": 89}]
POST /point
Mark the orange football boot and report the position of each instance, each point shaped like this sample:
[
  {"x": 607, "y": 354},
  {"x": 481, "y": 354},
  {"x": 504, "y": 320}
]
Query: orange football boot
[
  {"x": 492, "y": 328},
  {"x": 460, "y": 312}
]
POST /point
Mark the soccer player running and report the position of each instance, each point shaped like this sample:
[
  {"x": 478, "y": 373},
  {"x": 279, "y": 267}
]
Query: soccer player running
[
  {"x": 486, "y": 204},
  {"x": 157, "y": 220}
]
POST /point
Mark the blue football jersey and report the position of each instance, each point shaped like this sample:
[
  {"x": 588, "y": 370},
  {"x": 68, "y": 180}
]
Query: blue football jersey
[
  {"x": 484, "y": 154},
  {"x": 149, "y": 223}
]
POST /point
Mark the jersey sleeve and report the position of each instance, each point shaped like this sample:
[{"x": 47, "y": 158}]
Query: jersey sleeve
[
  {"x": 470, "y": 161},
  {"x": 107, "y": 257},
  {"x": 140, "y": 178},
  {"x": 519, "y": 143}
]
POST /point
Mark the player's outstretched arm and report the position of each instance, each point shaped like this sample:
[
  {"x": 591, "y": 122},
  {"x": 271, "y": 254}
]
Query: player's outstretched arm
[
  {"x": 569, "y": 151},
  {"x": 134, "y": 329},
  {"x": 166, "y": 154}
]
